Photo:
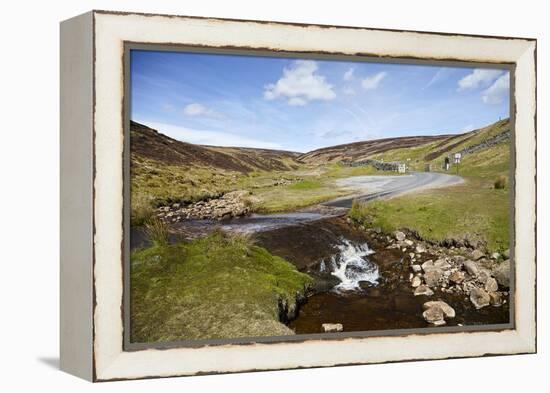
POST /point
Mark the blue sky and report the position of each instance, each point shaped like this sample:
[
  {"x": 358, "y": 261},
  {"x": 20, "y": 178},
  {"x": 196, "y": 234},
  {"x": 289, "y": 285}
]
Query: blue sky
[{"x": 301, "y": 105}]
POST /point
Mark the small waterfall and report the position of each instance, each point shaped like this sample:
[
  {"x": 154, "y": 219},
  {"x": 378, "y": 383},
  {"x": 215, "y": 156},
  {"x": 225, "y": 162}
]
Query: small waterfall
[{"x": 352, "y": 266}]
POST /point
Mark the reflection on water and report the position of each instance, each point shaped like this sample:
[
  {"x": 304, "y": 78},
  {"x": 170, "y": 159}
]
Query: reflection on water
[{"x": 260, "y": 222}]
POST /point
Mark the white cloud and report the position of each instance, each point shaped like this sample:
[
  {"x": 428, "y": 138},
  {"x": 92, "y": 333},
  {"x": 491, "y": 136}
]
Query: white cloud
[
  {"x": 372, "y": 82},
  {"x": 498, "y": 91},
  {"x": 441, "y": 75},
  {"x": 300, "y": 84},
  {"x": 196, "y": 109},
  {"x": 207, "y": 137},
  {"x": 348, "y": 91},
  {"x": 348, "y": 75},
  {"x": 478, "y": 78},
  {"x": 297, "y": 101}
]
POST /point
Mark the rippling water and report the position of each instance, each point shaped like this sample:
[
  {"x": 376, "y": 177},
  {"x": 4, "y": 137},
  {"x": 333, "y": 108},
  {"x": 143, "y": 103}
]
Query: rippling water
[{"x": 352, "y": 266}]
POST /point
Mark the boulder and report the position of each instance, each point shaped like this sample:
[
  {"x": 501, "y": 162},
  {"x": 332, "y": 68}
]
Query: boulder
[
  {"x": 483, "y": 275},
  {"x": 432, "y": 277},
  {"x": 332, "y": 327},
  {"x": 366, "y": 285},
  {"x": 400, "y": 236},
  {"x": 435, "y": 316},
  {"x": 491, "y": 285},
  {"x": 420, "y": 248},
  {"x": 471, "y": 267},
  {"x": 416, "y": 268},
  {"x": 416, "y": 282},
  {"x": 479, "y": 298},
  {"x": 442, "y": 264},
  {"x": 495, "y": 255},
  {"x": 326, "y": 283},
  {"x": 423, "y": 290},
  {"x": 448, "y": 311},
  {"x": 502, "y": 273},
  {"x": 457, "y": 277},
  {"x": 477, "y": 254},
  {"x": 496, "y": 299},
  {"x": 408, "y": 242},
  {"x": 428, "y": 265}
]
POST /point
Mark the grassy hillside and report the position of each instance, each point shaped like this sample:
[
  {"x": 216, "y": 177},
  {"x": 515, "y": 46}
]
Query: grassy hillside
[
  {"x": 434, "y": 152},
  {"x": 220, "y": 286},
  {"x": 478, "y": 209},
  {"x": 367, "y": 149},
  {"x": 164, "y": 170}
]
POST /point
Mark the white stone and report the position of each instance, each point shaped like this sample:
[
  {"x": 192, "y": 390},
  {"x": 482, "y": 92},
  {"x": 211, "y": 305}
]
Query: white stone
[
  {"x": 447, "y": 310},
  {"x": 423, "y": 290},
  {"x": 332, "y": 327},
  {"x": 400, "y": 236}
]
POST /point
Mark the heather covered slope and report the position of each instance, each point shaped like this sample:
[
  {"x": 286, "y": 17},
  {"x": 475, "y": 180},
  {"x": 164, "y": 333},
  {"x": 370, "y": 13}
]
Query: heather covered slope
[
  {"x": 362, "y": 150},
  {"x": 149, "y": 144}
]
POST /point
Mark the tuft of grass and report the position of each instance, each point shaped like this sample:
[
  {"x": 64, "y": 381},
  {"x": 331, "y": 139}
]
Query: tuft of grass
[
  {"x": 219, "y": 286},
  {"x": 157, "y": 231},
  {"x": 359, "y": 212},
  {"x": 501, "y": 182},
  {"x": 142, "y": 210}
]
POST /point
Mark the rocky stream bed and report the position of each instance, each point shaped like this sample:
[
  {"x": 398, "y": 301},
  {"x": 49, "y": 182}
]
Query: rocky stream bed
[{"x": 364, "y": 279}]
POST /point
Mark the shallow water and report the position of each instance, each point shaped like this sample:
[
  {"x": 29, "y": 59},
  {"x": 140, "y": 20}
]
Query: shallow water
[
  {"x": 352, "y": 266},
  {"x": 377, "y": 295}
]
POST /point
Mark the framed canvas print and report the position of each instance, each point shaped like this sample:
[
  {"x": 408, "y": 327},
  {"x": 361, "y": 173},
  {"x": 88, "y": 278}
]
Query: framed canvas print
[{"x": 246, "y": 195}]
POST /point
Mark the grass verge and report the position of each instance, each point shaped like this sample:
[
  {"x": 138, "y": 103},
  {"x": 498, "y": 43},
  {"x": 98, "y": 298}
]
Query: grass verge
[
  {"x": 219, "y": 286},
  {"x": 474, "y": 209}
]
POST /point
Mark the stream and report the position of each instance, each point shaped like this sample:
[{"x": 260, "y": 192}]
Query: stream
[{"x": 359, "y": 282}]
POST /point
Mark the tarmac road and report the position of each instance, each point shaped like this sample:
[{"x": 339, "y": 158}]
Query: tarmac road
[{"x": 375, "y": 187}]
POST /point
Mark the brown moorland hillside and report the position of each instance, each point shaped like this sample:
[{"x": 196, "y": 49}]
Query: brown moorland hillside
[
  {"x": 150, "y": 144},
  {"x": 361, "y": 150}
]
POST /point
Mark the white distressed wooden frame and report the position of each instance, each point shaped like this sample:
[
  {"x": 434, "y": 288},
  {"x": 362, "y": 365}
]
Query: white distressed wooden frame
[{"x": 92, "y": 92}]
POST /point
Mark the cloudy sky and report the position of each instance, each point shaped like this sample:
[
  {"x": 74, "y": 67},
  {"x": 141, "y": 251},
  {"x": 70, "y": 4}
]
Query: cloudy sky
[{"x": 302, "y": 105}]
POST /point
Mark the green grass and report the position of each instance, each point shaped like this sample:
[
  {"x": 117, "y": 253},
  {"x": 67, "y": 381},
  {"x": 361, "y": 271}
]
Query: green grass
[
  {"x": 287, "y": 198},
  {"x": 412, "y": 156},
  {"x": 219, "y": 286},
  {"x": 157, "y": 231},
  {"x": 306, "y": 185},
  {"x": 474, "y": 210},
  {"x": 478, "y": 209},
  {"x": 162, "y": 183},
  {"x": 154, "y": 184}
]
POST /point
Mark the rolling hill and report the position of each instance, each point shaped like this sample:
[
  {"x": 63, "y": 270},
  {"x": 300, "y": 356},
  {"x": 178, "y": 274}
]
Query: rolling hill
[
  {"x": 147, "y": 143},
  {"x": 361, "y": 150},
  {"x": 483, "y": 151},
  {"x": 164, "y": 170},
  {"x": 416, "y": 151}
]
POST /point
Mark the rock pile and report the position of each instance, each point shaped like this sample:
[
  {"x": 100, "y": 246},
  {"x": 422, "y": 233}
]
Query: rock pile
[
  {"x": 436, "y": 312},
  {"x": 467, "y": 271},
  {"x": 232, "y": 204}
]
